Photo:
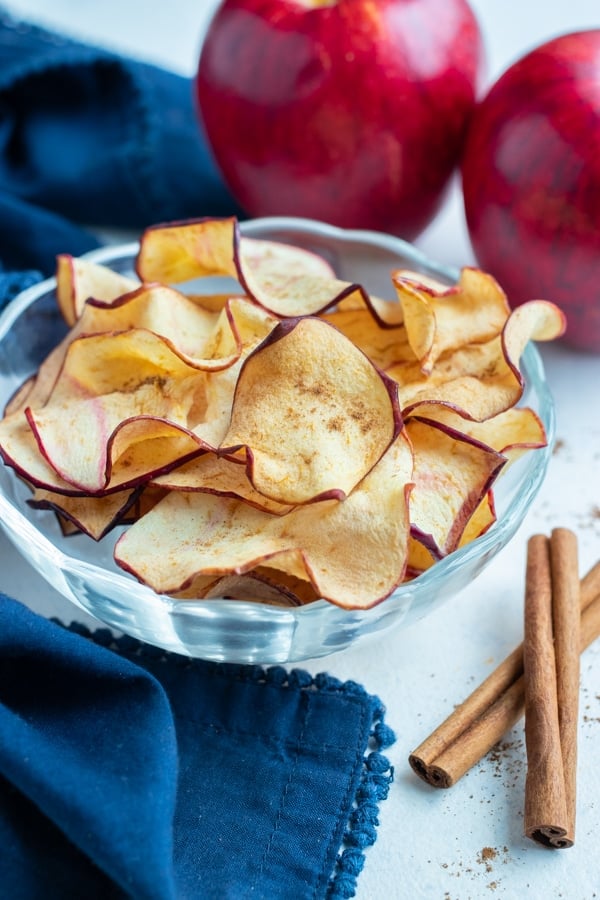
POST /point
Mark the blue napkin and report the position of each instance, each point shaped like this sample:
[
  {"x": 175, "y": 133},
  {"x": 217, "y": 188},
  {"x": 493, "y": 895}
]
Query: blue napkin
[
  {"x": 89, "y": 138},
  {"x": 126, "y": 771},
  {"x": 129, "y": 772}
]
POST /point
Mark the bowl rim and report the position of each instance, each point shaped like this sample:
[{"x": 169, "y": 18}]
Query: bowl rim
[{"x": 531, "y": 361}]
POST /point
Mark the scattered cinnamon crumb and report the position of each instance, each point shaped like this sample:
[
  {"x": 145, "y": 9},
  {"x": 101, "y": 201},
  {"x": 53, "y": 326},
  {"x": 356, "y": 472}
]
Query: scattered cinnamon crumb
[{"x": 485, "y": 857}]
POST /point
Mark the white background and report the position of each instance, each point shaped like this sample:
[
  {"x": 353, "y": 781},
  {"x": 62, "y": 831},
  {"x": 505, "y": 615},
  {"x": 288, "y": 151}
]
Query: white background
[{"x": 430, "y": 843}]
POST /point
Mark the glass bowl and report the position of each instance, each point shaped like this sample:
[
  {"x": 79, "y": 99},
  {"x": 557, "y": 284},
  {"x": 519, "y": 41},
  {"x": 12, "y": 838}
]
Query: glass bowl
[{"x": 232, "y": 630}]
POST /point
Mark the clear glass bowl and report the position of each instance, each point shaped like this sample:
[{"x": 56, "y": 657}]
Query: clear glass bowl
[{"x": 231, "y": 630}]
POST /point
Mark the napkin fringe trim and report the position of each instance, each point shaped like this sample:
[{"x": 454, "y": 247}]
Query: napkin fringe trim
[
  {"x": 376, "y": 778},
  {"x": 377, "y": 772}
]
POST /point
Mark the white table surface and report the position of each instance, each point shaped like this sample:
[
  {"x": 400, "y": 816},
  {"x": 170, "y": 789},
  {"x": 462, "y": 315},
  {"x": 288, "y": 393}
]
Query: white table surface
[{"x": 465, "y": 843}]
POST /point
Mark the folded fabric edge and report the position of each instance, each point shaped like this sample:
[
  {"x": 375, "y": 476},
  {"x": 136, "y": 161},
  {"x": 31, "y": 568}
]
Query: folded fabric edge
[{"x": 377, "y": 773}]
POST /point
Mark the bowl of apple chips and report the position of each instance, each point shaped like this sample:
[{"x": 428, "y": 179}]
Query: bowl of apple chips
[{"x": 260, "y": 441}]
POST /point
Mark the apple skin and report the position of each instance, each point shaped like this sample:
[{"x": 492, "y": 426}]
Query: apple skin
[
  {"x": 347, "y": 111},
  {"x": 531, "y": 181}
]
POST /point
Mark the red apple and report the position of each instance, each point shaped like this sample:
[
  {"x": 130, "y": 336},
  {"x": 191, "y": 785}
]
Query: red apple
[
  {"x": 531, "y": 180},
  {"x": 349, "y": 111}
]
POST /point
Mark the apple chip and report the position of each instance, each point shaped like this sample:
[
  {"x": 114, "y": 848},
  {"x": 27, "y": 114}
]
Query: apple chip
[
  {"x": 106, "y": 384},
  {"x": 383, "y": 346},
  {"x": 423, "y": 551},
  {"x": 286, "y": 280},
  {"x": 481, "y": 520},
  {"x": 21, "y": 451},
  {"x": 155, "y": 307},
  {"x": 511, "y": 432},
  {"x": 311, "y": 414},
  {"x": 480, "y": 380},
  {"x": 94, "y": 516},
  {"x": 209, "y": 340},
  {"x": 261, "y": 585},
  {"x": 218, "y": 475},
  {"x": 188, "y": 535},
  {"x": 77, "y": 280},
  {"x": 452, "y": 474},
  {"x": 438, "y": 320}
]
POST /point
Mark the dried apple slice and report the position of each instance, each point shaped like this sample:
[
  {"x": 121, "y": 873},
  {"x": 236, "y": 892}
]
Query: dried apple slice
[
  {"x": 423, "y": 551},
  {"x": 288, "y": 281},
  {"x": 438, "y": 320},
  {"x": 311, "y": 414},
  {"x": 21, "y": 452},
  {"x": 160, "y": 309},
  {"x": 125, "y": 312},
  {"x": 452, "y": 474},
  {"x": 480, "y": 380},
  {"x": 113, "y": 451},
  {"x": 482, "y": 519},
  {"x": 146, "y": 499},
  {"x": 78, "y": 279},
  {"x": 94, "y": 516},
  {"x": 218, "y": 475},
  {"x": 106, "y": 381},
  {"x": 511, "y": 432},
  {"x": 383, "y": 346},
  {"x": 261, "y": 585},
  {"x": 197, "y": 534},
  {"x": 183, "y": 251},
  {"x": 211, "y": 339},
  {"x": 422, "y": 554},
  {"x": 285, "y": 280}
]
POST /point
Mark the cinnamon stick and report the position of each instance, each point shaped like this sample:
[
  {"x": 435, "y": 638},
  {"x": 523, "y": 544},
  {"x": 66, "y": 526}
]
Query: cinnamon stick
[
  {"x": 551, "y": 668},
  {"x": 474, "y": 727}
]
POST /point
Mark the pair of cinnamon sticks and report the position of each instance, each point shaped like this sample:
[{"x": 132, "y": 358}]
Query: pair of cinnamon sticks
[{"x": 540, "y": 678}]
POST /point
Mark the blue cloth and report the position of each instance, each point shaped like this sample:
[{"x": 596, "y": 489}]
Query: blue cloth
[
  {"x": 126, "y": 771},
  {"x": 90, "y": 138},
  {"x": 129, "y": 772}
]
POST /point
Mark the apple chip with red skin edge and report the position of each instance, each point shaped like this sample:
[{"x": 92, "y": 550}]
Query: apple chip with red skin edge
[
  {"x": 94, "y": 516},
  {"x": 480, "y": 380},
  {"x": 383, "y": 346},
  {"x": 208, "y": 340},
  {"x": 145, "y": 499},
  {"x": 511, "y": 432},
  {"x": 21, "y": 452},
  {"x": 218, "y": 475},
  {"x": 110, "y": 380},
  {"x": 79, "y": 279},
  {"x": 260, "y": 585},
  {"x": 424, "y": 553},
  {"x": 452, "y": 474},
  {"x": 125, "y": 312},
  {"x": 286, "y": 280},
  {"x": 213, "y": 338},
  {"x": 188, "y": 535},
  {"x": 471, "y": 312},
  {"x": 311, "y": 415},
  {"x": 171, "y": 445},
  {"x": 481, "y": 520},
  {"x": 108, "y": 383}
]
